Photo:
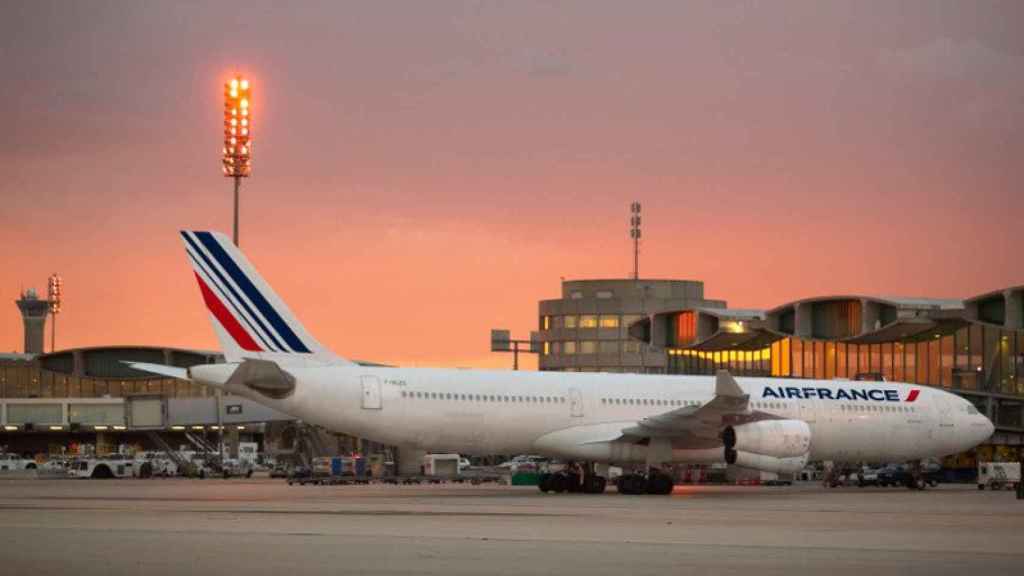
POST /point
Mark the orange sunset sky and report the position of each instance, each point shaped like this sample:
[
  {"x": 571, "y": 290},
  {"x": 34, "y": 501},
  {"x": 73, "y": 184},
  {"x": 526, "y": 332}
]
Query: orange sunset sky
[{"x": 424, "y": 171}]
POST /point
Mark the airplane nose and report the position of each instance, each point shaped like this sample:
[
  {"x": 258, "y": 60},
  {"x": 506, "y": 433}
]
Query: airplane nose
[{"x": 990, "y": 428}]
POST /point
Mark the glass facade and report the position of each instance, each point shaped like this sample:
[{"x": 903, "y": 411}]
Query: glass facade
[
  {"x": 29, "y": 379},
  {"x": 32, "y": 382},
  {"x": 952, "y": 361},
  {"x": 973, "y": 359}
]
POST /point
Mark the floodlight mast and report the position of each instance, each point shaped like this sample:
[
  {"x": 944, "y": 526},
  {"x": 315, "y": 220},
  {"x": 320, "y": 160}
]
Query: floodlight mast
[
  {"x": 237, "y": 152},
  {"x": 54, "y": 293},
  {"x": 634, "y": 233}
]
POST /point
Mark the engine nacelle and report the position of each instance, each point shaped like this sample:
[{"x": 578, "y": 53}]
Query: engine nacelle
[
  {"x": 775, "y": 438},
  {"x": 766, "y": 463}
]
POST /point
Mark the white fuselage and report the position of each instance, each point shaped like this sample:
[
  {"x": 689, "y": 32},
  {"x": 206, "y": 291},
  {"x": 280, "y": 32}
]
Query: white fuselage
[{"x": 485, "y": 412}]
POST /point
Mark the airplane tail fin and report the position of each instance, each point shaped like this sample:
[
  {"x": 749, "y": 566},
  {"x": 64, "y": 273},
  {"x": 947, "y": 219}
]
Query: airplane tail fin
[{"x": 250, "y": 320}]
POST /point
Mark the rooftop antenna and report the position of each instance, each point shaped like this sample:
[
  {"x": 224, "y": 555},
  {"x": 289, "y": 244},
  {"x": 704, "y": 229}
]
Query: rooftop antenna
[{"x": 634, "y": 233}]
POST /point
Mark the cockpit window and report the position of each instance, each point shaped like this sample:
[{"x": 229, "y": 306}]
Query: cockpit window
[{"x": 972, "y": 410}]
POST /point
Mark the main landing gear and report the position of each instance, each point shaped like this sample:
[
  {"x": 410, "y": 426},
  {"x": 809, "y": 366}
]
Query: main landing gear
[
  {"x": 915, "y": 478},
  {"x": 655, "y": 482},
  {"x": 583, "y": 480},
  {"x": 574, "y": 479}
]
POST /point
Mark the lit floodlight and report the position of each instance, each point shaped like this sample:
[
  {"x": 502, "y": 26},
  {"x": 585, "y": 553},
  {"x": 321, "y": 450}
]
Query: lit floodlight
[
  {"x": 236, "y": 158},
  {"x": 54, "y": 295}
]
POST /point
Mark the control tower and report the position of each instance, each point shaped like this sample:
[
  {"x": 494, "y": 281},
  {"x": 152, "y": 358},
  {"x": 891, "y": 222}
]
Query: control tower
[{"x": 33, "y": 313}]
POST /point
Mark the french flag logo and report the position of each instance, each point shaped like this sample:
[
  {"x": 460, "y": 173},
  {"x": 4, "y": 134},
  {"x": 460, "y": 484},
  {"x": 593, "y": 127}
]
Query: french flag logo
[
  {"x": 913, "y": 395},
  {"x": 236, "y": 302}
]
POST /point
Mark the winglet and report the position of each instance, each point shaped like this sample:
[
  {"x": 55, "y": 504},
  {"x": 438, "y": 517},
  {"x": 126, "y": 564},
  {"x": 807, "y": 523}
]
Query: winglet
[{"x": 725, "y": 385}]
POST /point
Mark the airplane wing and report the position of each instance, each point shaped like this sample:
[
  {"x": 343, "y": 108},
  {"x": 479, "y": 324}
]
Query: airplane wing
[
  {"x": 731, "y": 405},
  {"x": 159, "y": 369}
]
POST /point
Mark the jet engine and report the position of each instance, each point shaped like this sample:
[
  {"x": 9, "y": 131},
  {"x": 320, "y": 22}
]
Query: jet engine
[
  {"x": 775, "y": 438},
  {"x": 766, "y": 463}
]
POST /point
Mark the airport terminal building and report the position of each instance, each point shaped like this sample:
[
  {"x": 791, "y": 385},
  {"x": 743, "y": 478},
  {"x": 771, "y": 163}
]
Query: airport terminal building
[
  {"x": 973, "y": 347},
  {"x": 87, "y": 399},
  {"x": 57, "y": 402}
]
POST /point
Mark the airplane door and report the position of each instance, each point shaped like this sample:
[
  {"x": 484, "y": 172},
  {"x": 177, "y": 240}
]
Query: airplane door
[
  {"x": 371, "y": 393},
  {"x": 945, "y": 432},
  {"x": 575, "y": 402}
]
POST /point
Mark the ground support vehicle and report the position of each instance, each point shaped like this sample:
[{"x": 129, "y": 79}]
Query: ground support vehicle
[
  {"x": 866, "y": 477},
  {"x": 301, "y": 475},
  {"x": 114, "y": 466},
  {"x": 12, "y": 462},
  {"x": 236, "y": 468},
  {"x": 998, "y": 475},
  {"x": 903, "y": 475}
]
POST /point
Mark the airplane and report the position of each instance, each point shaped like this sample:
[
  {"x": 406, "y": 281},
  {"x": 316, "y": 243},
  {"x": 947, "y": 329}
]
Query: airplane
[{"x": 637, "y": 421}]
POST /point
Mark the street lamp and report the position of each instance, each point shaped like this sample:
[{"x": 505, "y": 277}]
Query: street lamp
[
  {"x": 54, "y": 291},
  {"x": 237, "y": 151}
]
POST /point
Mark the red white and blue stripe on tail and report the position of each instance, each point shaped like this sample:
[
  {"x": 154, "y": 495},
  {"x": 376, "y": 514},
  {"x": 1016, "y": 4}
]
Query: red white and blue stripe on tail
[{"x": 252, "y": 317}]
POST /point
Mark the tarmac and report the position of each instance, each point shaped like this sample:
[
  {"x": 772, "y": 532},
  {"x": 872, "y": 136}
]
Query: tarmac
[{"x": 261, "y": 527}]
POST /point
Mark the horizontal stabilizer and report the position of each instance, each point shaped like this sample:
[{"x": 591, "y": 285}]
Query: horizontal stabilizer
[
  {"x": 159, "y": 369},
  {"x": 263, "y": 376}
]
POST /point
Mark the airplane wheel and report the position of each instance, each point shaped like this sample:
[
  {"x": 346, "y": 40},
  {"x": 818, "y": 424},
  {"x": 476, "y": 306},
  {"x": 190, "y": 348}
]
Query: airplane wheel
[
  {"x": 661, "y": 484},
  {"x": 544, "y": 483},
  {"x": 594, "y": 484},
  {"x": 632, "y": 484},
  {"x": 559, "y": 483},
  {"x": 572, "y": 483}
]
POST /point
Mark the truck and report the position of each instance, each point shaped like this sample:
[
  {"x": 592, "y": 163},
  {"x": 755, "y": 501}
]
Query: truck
[{"x": 998, "y": 475}]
